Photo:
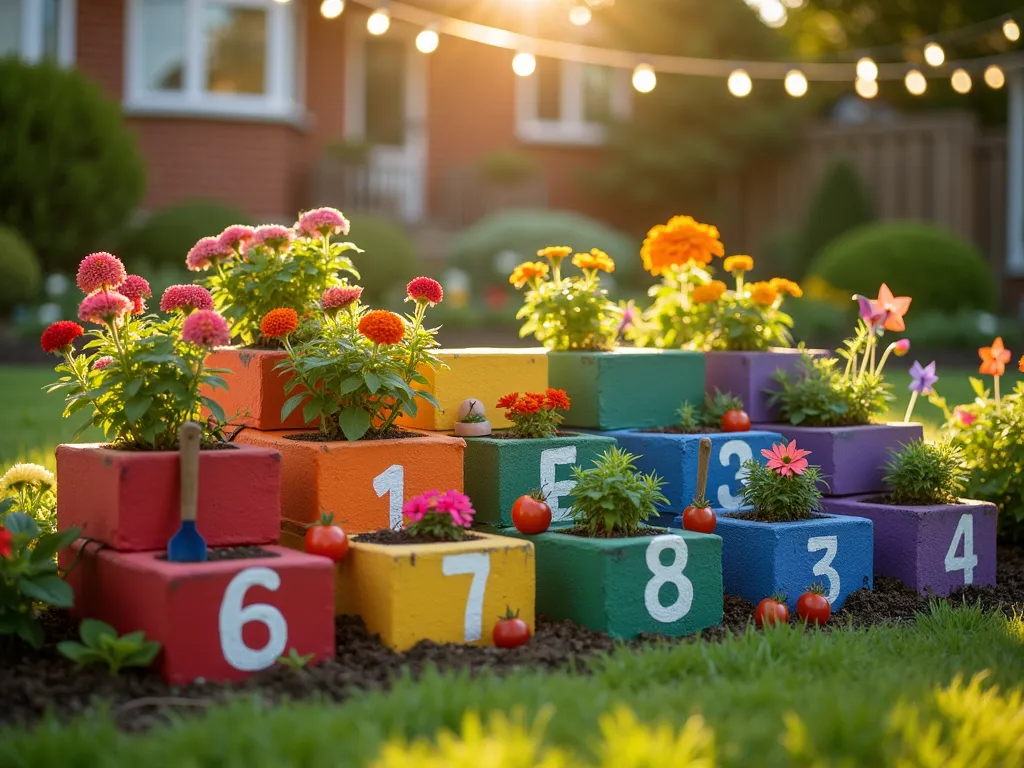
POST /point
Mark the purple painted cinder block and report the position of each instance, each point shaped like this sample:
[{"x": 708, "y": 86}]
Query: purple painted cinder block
[
  {"x": 748, "y": 375},
  {"x": 852, "y": 459},
  {"x": 938, "y": 549}
]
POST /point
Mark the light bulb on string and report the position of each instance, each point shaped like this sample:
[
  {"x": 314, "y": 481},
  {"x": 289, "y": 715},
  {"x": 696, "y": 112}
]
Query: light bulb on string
[
  {"x": 866, "y": 89},
  {"x": 331, "y": 9},
  {"x": 934, "y": 55},
  {"x": 427, "y": 40},
  {"x": 916, "y": 83},
  {"x": 524, "y": 64},
  {"x": 580, "y": 15},
  {"x": 1011, "y": 30},
  {"x": 644, "y": 78},
  {"x": 994, "y": 77},
  {"x": 739, "y": 83},
  {"x": 796, "y": 83},
  {"x": 867, "y": 69},
  {"x": 379, "y": 22},
  {"x": 772, "y": 13},
  {"x": 961, "y": 81}
]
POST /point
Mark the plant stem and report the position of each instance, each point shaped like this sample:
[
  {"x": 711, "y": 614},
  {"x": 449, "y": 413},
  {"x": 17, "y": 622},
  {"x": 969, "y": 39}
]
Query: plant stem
[
  {"x": 421, "y": 309},
  {"x": 996, "y": 378},
  {"x": 885, "y": 356},
  {"x": 910, "y": 408}
]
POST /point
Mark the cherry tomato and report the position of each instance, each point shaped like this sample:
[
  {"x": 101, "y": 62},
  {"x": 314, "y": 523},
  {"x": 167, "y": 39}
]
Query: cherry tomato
[
  {"x": 531, "y": 514},
  {"x": 813, "y": 606},
  {"x": 771, "y": 611},
  {"x": 735, "y": 421},
  {"x": 326, "y": 539},
  {"x": 699, "y": 519},
  {"x": 511, "y": 631}
]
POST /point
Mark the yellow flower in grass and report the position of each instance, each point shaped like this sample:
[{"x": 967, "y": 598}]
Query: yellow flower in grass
[
  {"x": 596, "y": 259},
  {"x": 29, "y": 474},
  {"x": 527, "y": 271},
  {"x": 782, "y": 285},
  {"x": 708, "y": 294},
  {"x": 738, "y": 264},
  {"x": 763, "y": 293},
  {"x": 554, "y": 252}
]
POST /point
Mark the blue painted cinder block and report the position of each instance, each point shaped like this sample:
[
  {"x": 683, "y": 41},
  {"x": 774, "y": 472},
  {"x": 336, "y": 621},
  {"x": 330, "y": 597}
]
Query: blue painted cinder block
[
  {"x": 762, "y": 559},
  {"x": 674, "y": 458}
]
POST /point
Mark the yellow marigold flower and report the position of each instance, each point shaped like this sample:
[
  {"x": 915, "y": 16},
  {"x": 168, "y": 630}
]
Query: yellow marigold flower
[
  {"x": 763, "y": 293},
  {"x": 554, "y": 252},
  {"x": 596, "y": 259},
  {"x": 31, "y": 474},
  {"x": 527, "y": 271},
  {"x": 708, "y": 294},
  {"x": 738, "y": 263},
  {"x": 681, "y": 241},
  {"x": 782, "y": 285}
]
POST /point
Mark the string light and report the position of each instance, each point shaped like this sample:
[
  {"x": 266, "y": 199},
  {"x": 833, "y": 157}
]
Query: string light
[
  {"x": 379, "y": 22},
  {"x": 524, "y": 64},
  {"x": 994, "y": 77},
  {"x": 580, "y": 15},
  {"x": 866, "y": 89},
  {"x": 916, "y": 83},
  {"x": 644, "y": 78},
  {"x": 772, "y": 13},
  {"x": 796, "y": 83},
  {"x": 961, "y": 81},
  {"x": 934, "y": 54},
  {"x": 739, "y": 83},
  {"x": 867, "y": 69},
  {"x": 427, "y": 40},
  {"x": 1011, "y": 31},
  {"x": 331, "y": 9}
]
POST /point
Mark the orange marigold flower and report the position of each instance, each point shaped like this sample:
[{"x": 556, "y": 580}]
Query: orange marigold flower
[
  {"x": 708, "y": 294},
  {"x": 279, "y": 322},
  {"x": 782, "y": 285},
  {"x": 763, "y": 293},
  {"x": 681, "y": 241},
  {"x": 382, "y": 327},
  {"x": 1020, "y": 365},
  {"x": 738, "y": 264},
  {"x": 596, "y": 259},
  {"x": 556, "y": 398},
  {"x": 527, "y": 271},
  {"x": 554, "y": 252},
  {"x": 529, "y": 403},
  {"x": 508, "y": 400}
]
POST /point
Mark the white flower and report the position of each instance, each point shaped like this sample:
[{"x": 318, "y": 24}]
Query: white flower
[{"x": 32, "y": 474}]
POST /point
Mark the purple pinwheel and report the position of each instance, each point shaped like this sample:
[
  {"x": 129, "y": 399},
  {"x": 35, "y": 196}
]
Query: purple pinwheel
[
  {"x": 872, "y": 313},
  {"x": 922, "y": 378}
]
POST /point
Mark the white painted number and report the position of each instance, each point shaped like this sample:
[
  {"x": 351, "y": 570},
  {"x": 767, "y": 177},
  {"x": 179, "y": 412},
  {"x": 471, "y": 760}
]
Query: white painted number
[
  {"x": 969, "y": 561},
  {"x": 392, "y": 480},
  {"x": 733, "y": 448},
  {"x": 233, "y": 616},
  {"x": 668, "y": 574},
  {"x": 549, "y": 461},
  {"x": 824, "y": 566},
  {"x": 479, "y": 565}
]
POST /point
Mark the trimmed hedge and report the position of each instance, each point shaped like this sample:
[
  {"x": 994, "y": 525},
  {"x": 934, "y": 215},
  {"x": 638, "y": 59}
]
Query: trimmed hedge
[
  {"x": 21, "y": 276},
  {"x": 164, "y": 239}
]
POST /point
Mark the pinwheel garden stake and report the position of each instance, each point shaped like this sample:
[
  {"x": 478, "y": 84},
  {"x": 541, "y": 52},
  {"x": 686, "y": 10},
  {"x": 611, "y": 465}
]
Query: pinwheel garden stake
[{"x": 922, "y": 382}]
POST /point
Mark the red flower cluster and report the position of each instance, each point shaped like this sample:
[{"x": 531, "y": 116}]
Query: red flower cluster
[
  {"x": 6, "y": 542},
  {"x": 532, "y": 402},
  {"x": 59, "y": 335},
  {"x": 423, "y": 289}
]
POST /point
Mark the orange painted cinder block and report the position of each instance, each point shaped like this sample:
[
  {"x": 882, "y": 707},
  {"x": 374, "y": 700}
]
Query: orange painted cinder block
[
  {"x": 255, "y": 393},
  {"x": 363, "y": 484}
]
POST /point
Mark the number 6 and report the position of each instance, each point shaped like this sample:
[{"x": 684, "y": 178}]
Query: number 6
[{"x": 233, "y": 617}]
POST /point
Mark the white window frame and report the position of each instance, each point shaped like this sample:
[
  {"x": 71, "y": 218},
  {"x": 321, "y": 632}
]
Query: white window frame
[
  {"x": 30, "y": 36},
  {"x": 284, "y": 69},
  {"x": 572, "y": 128}
]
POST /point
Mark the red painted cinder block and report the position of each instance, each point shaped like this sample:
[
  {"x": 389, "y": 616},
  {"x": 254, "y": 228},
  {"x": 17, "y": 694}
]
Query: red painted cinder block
[
  {"x": 131, "y": 500},
  {"x": 218, "y": 620}
]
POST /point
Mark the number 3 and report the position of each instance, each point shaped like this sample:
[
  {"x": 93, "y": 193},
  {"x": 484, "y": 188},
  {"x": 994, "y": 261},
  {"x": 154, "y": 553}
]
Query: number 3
[
  {"x": 733, "y": 448},
  {"x": 668, "y": 574},
  {"x": 479, "y": 565},
  {"x": 233, "y": 617},
  {"x": 824, "y": 566}
]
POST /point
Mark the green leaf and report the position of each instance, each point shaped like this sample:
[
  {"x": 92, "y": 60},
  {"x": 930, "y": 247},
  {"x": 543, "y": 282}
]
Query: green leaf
[
  {"x": 92, "y": 631},
  {"x": 373, "y": 382},
  {"x": 215, "y": 409},
  {"x": 30, "y": 631},
  {"x": 145, "y": 655},
  {"x": 52, "y": 543},
  {"x": 311, "y": 410},
  {"x": 354, "y": 422},
  {"x": 49, "y": 589},
  {"x": 351, "y": 384},
  {"x": 292, "y": 403},
  {"x": 20, "y": 524},
  {"x": 75, "y": 651},
  {"x": 136, "y": 407},
  {"x": 131, "y": 389}
]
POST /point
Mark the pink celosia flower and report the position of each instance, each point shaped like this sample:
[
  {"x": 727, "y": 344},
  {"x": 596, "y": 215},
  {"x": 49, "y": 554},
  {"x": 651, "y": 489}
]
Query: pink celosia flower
[
  {"x": 901, "y": 347},
  {"x": 458, "y": 506},
  {"x": 205, "y": 252},
  {"x": 100, "y": 271},
  {"x": 102, "y": 362},
  {"x": 103, "y": 307},
  {"x": 964, "y": 417},
  {"x": 424, "y": 289},
  {"x": 136, "y": 289},
  {"x": 236, "y": 236},
  {"x": 185, "y": 298},
  {"x": 416, "y": 508},
  {"x": 206, "y": 328},
  {"x": 273, "y": 236},
  {"x": 322, "y": 222},
  {"x": 340, "y": 298},
  {"x": 786, "y": 459}
]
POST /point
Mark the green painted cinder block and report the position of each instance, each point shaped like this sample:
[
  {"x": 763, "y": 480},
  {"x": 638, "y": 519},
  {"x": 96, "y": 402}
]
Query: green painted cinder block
[
  {"x": 669, "y": 584},
  {"x": 497, "y": 471},
  {"x": 627, "y": 388}
]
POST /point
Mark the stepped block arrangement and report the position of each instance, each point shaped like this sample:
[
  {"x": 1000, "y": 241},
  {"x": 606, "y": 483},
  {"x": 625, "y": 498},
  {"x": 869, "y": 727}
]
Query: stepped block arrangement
[
  {"x": 255, "y": 393},
  {"x": 748, "y": 376}
]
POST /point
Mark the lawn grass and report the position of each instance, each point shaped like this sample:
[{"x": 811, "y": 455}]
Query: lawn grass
[{"x": 784, "y": 697}]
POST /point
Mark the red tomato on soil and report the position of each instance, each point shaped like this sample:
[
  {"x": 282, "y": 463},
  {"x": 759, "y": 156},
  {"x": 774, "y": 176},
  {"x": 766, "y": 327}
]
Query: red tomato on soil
[
  {"x": 735, "y": 421},
  {"x": 511, "y": 631},
  {"x": 699, "y": 519},
  {"x": 813, "y": 607},
  {"x": 770, "y": 611},
  {"x": 326, "y": 539},
  {"x": 531, "y": 514}
]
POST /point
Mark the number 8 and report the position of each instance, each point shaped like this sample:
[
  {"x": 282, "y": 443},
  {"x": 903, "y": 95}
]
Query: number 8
[{"x": 668, "y": 574}]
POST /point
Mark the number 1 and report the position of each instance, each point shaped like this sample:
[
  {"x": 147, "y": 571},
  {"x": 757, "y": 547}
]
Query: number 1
[
  {"x": 479, "y": 565},
  {"x": 969, "y": 561},
  {"x": 392, "y": 480}
]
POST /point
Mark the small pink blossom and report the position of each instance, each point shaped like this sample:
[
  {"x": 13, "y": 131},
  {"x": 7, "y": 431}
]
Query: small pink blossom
[
  {"x": 236, "y": 236},
  {"x": 901, "y": 347},
  {"x": 102, "y": 362},
  {"x": 136, "y": 289},
  {"x": 340, "y": 298},
  {"x": 185, "y": 298},
  {"x": 786, "y": 459},
  {"x": 964, "y": 417},
  {"x": 103, "y": 307},
  {"x": 322, "y": 222},
  {"x": 273, "y": 236},
  {"x": 206, "y": 328},
  {"x": 100, "y": 271},
  {"x": 416, "y": 508},
  {"x": 458, "y": 506},
  {"x": 205, "y": 252}
]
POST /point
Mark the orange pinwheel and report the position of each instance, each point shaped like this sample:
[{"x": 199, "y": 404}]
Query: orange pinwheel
[
  {"x": 896, "y": 306},
  {"x": 994, "y": 358}
]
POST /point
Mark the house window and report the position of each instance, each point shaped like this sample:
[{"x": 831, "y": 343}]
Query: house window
[
  {"x": 218, "y": 57},
  {"x": 565, "y": 102},
  {"x": 38, "y": 29}
]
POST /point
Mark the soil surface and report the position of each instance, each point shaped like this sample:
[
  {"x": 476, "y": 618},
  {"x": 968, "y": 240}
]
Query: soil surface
[
  {"x": 388, "y": 537},
  {"x": 233, "y": 553},
  {"x": 677, "y": 430},
  {"x": 583, "y": 533},
  {"x": 394, "y": 433},
  {"x": 34, "y": 681}
]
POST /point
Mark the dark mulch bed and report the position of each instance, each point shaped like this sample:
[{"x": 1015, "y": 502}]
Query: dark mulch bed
[
  {"x": 394, "y": 433},
  {"x": 397, "y": 538},
  {"x": 214, "y": 555},
  {"x": 677, "y": 430},
  {"x": 33, "y": 682}
]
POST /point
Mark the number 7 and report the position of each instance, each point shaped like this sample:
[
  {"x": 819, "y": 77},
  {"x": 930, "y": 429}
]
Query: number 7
[{"x": 479, "y": 565}]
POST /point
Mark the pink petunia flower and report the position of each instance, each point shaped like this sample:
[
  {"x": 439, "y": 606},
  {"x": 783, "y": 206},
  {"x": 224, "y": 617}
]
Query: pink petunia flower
[
  {"x": 786, "y": 459},
  {"x": 416, "y": 508},
  {"x": 100, "y": 271},
  {"x": 322, "y": 222},
  {"x": 185, "y": 298},
  {"x": 102, "y": 362},
  {"x": 340, "y": 298},
  {"x": 236, "y": 236},
  {"x": 103, "y": 307},
  {"x": 964, "y": 417},
  {"x": 205, "y": 252},
  {"x": 206, "y": 328}
]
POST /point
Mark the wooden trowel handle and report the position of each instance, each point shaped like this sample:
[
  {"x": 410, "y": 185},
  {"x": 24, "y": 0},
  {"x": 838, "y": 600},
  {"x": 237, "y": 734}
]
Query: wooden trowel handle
[
  {"x": 189, "y": 437},
  {"x": 703, "y": 461}
]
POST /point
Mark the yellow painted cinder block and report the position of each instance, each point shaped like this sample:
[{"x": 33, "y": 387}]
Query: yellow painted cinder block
[{"x": 484, "y": 374}]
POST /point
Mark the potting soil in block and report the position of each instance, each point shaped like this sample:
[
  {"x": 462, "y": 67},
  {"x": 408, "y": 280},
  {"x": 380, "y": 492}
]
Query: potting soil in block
[
  {"x": 482, "y": 374},
  {"x": 763, "y": 559},
  {"x": 627, "y": 388},
  {"x": 217, "y": 620},
  {"x": 852, "y": 459},
  {"x": 131, "y": 500},
  {"x": 674, "y": 458},
  {"x": 748, "y": 375},
  {"x": 255, "y": 393},
  {"x": 668, "y": 584},
  {"x": 935, "y": 549},
  {"x": 365, "y": 483},
  {"x": 499, "y": 470}
]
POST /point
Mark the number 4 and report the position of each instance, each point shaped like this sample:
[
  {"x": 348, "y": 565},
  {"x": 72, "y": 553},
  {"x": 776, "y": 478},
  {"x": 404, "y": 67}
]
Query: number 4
[
  {"x": 969, "y": 561},
  {"x": 479, "y": 565}
]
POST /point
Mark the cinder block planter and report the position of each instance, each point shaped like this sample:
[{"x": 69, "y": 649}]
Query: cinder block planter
[
  {"x": 131, "y": 501},
  {"x": 627, "y": 388},
  {"x": 255, "y": 393},
  {"x": 762, "y": 559},
  {"x": 363, "y": 484},
  {"x": 500, "y": 470},
  {"x": 218, "y": 620},
  {"x": 674, "y": 458},
  {"x": 483, "y": 374},
  {"x": 936, "y": 549},
  {"x": 852, "y": 459},
  {"x": 748, "y": 375},
  {"x": 668, "y": 584}
]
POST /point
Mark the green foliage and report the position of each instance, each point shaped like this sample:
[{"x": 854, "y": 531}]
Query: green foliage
[
  {"x": 716, "y": 406},
  {"x": 739, "y": 323},
  {"x": 101, "y": 645},
  {"x": 296, "y": 661},
  {"x": 165, "y": 237},
  {"x": 964, "y": 329},
  {"x": 691, "y": 418},
  {"x": 936, "y": 268},
  {"x": 818, "y": 394},
  {"x": 613, "y": 498},
  {"x": 923, "y": 473},
  {"x": 72, "y": 171},
  {"x": 390, "y": 259},
  {"x": 781, "y": 498},
  {"x": 508, "y": 165},
  {"x": 29, "y": 577},
  {"x": 21, "y": 275}
]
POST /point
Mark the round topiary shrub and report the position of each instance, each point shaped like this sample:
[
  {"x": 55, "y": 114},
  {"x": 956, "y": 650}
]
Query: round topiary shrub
[
  {"x": 936, "y": 268},
  {"x": 20, "y": 273},
  {"x": 72, "y": 172},
  {"x": 389, "y": 259},
  {"x": 165, "y": 238}
]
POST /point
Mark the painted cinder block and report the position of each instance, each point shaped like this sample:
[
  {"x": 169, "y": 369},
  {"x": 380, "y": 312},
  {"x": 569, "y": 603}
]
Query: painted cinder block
[
  {"x": 255, "y": 393},
  {"x": 748, "y": 375},
  {"x": 852, "y": 459},
  {"x": 627, "y": 388},
  {"x": 484, "y": 374},
  {"x": 763, "y": 559},
  {"x": 674, "y": 458},
  {"x": 131, "y": 501},
  {"x": 667, "y": 584},
  {"x": 218, "y": 620},
  {"x": 936, "y": 549},
  {"x": 363, "y": 483},
  {"x": 500, "y": 470}
]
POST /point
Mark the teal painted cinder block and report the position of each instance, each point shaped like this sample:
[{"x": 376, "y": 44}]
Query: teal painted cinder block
[
  {"x": 497, "y": 471},
  {"x": 627, "y": 388},
  {"x": 667, "y": 584}
]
